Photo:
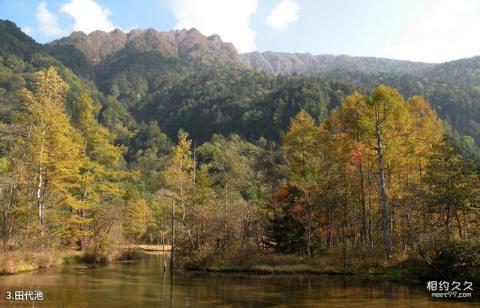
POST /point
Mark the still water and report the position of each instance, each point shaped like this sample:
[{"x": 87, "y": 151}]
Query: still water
[{"x": 143, "y": 284}]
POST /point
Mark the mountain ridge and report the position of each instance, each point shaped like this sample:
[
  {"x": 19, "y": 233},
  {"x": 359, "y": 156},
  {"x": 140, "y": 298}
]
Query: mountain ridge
[
  {"x": 193, "y": 45},
  {"x": 307, "y": 63}
]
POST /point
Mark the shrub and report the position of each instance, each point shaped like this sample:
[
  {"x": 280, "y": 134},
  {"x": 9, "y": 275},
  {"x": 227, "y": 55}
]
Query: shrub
[
  {"x": 130, "y": 255},
  {"x": 458, "y": 261}
]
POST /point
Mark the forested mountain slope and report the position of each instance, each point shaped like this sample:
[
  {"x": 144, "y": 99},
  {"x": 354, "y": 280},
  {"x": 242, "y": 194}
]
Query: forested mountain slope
[
  {"x": 183, "y": 79},
  {"x": 20, "y": 57},
  {"x": 453, "y": 88}
]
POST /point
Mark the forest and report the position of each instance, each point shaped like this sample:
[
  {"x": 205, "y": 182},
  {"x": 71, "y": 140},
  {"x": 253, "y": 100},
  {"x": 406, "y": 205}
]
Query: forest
[{"x": 249, "y": 171}]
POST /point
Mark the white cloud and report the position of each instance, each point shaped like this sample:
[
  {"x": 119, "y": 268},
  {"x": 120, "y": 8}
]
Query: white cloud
[
  {"x": 228, "y": 18},
  {"x": 48, "y": 21},
  {"x": 88, "y": 15},
  {"x": 27, "y": 30},
  {"x": 446, "y": 30},
  {"x": 284, "y": 13}
]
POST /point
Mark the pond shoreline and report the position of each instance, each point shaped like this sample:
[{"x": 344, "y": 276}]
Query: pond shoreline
[
  {"x": 377, "y": 274},
  {"x": 137, "y": 254},
  {"x": 144, "y": 283},
  {"x": 368, "y": 273}
]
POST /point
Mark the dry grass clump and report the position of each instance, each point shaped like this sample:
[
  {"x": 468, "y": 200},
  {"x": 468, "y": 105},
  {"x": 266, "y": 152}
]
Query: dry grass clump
[{"x": 12, "y": 262}]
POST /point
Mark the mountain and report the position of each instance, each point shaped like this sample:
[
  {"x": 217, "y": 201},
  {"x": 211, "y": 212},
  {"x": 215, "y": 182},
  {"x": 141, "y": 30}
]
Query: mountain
[
  {"x": 183, "y": 79},
  {"x": 453, "y": 88},
  {"x": 83, "y": 52},
  {"x": 184, "y": 44},
  {"x": 14, "y": 41},
  {"x": 306, "y": 63},
  {"x": 463, "y": 72}
]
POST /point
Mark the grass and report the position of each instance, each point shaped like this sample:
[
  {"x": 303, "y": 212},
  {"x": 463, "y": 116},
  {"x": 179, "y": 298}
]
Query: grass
[
  {"x": 130, "y": 255},
  {"x": 12, "y": 262},
  {"x": 158, "y": 248},
  {"x": 254, "y": 261},
  {"x": 230, "y": 260}
]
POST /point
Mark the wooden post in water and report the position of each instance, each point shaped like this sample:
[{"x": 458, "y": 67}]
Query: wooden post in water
[
  {"x": 164, "y": 232},
  {"x": 163, "y": 252},
  {"x": 172, "y": 248},
  {"x": 175, "y": 197}
]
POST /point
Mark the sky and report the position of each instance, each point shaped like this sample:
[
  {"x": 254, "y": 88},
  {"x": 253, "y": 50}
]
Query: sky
[{"x": 418, "y": 30}]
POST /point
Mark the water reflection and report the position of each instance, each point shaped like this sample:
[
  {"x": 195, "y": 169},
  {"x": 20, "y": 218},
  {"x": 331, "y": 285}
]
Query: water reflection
[{"x": 146, "y": 284}]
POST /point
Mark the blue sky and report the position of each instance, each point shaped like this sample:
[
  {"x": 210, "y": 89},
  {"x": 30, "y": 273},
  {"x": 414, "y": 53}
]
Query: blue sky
[{"x": 421, "y": 30}]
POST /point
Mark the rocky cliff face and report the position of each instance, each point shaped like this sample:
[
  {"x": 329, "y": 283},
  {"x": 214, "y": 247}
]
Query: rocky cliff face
[{"x": 89, "y": 50}]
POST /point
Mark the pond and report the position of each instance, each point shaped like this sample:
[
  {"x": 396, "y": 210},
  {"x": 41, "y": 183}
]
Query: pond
[{"x": 144, "y": 284}]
